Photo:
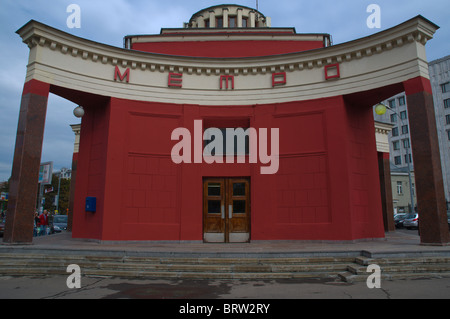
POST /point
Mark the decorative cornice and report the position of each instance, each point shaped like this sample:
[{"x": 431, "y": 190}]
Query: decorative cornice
[
  {"x": 388, "y": 57},
  {"x": 418, "y": 29},
  {"x": 383, "y": 128}
]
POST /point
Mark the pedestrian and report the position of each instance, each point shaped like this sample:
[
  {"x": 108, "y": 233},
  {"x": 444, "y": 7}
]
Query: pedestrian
[
  {"x": 43, "y": 220},
  {"x": 36, "y": 224}
]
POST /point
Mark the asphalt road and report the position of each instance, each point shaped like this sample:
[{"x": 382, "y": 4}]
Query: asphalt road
[{"x": 55, "y": 287}]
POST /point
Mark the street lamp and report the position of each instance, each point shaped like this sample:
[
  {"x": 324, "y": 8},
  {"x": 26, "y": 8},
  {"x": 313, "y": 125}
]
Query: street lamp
[
  {"x": 381, "y": 109},
  {"x": 78, "y": 112}
]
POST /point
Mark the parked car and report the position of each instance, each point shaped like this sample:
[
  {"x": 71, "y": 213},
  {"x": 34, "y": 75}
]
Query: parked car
[
  {"x": 2, "y": 226},
  {"x": 398, "y": 219},
  {"x": 59, "y": 223},
  {"x": 411, "y": 221}
]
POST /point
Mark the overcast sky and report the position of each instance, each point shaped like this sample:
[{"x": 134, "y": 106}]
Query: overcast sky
[{"x": 109, "y": 21}]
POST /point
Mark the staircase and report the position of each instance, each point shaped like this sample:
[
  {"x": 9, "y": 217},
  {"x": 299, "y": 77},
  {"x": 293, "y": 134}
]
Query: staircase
[
  {"x": 395, "y": 268},
  {"x": 349, "y": 267},
  {"x": 176, "y": 267}
]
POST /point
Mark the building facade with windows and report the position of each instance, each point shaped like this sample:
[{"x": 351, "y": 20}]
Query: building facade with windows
[
  {"x": 399, "y": 137},
  {"x": 440, "y": 82},
  {"x": 401, "y": 191},
  {"x": 227, "y": 130},
  {"x": 401, "y": 156}
]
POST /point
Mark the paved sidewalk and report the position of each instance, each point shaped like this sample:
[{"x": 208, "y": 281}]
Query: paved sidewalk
[{"x": 395, "y": 243}]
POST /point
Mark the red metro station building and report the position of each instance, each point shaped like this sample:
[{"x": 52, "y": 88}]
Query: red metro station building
[{"x": 155, "y": 160}]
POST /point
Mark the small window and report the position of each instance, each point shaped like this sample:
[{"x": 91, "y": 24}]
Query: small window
[
  {"x": 405, "y": 129},
  {"x": 399, "y": 188},
  {"x": 239, "y": 206},
  {"x": 219, "y": 22},
  {"x": 445, "y": 87},
  {"x": 207, "y": 23},
  {"x": 396, "y": 145},
  {"x": 403, "y": 115},
  {"x": 214, "y": 189},
  {"x": 395, "y": 131},
  {"x": 447, "y": 119},
  {"x": 398, "y": 160},
  {"x": 446, "y": 103},
  {"x": 239, "y": 189},
  {"x": 392, "y": 104},
  {"x": 448, "y": 134},
  {"x": 245, "y": 22},
  {"x": 232, "y": 22},
  {"x": 401, "y": 101},
  {"x": 393, "y": 118},
  {"x": 408, "y": 158},
  {"x": 241, "y": 141},
  {"x": 406, "y": 143},
  {"x": 214, "y": 206}
]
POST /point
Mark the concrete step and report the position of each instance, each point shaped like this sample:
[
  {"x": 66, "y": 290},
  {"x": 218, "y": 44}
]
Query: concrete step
[
  {"x": 351, "y": 277},
  {"x": 395, "y": 268},
  {"x": 418, "y": 268},
  {"x": 349, "y": 269},
  {"x": 166, "y": 274},
  {"x": 401, "y": 260},
  {"x": 156, "y": 267}
]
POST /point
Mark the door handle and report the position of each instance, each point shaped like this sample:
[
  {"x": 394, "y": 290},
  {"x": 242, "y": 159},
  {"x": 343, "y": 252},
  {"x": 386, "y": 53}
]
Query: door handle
[
  {"x": 230, "y": 211},
  {"x": 223, "y": 212}
]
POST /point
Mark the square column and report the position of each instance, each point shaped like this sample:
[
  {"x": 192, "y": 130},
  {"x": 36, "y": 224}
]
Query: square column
[
  {"x": 225, "y": 17},
  {"x": 239, "y": 17},
  {"x": 427, "y": 163},
  {"x": 252, "y": 19},
  {"x": 386, "y": 191},
  {"x": 27, "y": 159},
  {"x": 212, "y": 19}
]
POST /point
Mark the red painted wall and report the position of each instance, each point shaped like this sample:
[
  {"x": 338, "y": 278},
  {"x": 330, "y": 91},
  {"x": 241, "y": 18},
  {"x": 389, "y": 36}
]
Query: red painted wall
[
  {"x": 227, "y": 49},
  {"x": 91, "y": 173},
  {"x": 327, "y": 186}
]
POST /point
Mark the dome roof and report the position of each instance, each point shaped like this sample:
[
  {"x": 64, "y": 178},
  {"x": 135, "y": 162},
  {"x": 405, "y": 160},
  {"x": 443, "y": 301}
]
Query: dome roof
[{"x": 228, "y": 16}]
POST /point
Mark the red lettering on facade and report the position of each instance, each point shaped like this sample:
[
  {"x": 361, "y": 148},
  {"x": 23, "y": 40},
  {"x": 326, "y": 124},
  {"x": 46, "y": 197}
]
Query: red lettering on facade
[
  {"x": 175, "y": 80},
  {"x": 278, "y": 79},
  {"x": 227, "y": 79},
  {"x": 118, "y": 74}
]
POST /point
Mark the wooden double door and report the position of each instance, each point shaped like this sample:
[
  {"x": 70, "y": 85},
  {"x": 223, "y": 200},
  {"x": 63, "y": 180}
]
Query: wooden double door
[{"x": 226, "y": 210}]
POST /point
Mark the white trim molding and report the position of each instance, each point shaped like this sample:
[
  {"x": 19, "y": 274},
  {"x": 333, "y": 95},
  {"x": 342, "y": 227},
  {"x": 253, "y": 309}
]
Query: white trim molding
[{"x": 388, "y": 57}]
